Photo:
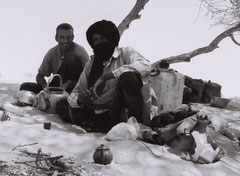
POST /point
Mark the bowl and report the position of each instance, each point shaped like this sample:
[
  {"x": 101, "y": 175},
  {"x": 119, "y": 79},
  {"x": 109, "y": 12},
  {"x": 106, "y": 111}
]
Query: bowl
[{"x": 25, "y": 97}]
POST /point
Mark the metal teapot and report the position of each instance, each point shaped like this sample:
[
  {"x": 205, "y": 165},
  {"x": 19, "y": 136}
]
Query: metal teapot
[
  {"x": 47, "y": 99},
  {"x": 103, "y": 155}
]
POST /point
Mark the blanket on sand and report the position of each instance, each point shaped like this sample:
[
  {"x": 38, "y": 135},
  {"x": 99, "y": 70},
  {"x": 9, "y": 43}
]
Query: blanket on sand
[{"x": 130, "y": 157}]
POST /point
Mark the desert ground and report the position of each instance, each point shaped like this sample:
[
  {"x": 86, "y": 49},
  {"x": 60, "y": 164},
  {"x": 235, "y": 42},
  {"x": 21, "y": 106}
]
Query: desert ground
[{"x": 24, "y": 142}]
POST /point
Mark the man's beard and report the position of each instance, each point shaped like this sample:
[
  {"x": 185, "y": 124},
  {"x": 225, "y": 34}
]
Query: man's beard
[{"x": 103, "y": 51}]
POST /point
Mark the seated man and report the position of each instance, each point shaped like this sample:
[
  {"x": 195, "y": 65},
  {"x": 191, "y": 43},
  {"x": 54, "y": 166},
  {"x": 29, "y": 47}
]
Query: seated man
[
  {"x": 109, "y": 90},
  {"x": 66, "y": 59}
]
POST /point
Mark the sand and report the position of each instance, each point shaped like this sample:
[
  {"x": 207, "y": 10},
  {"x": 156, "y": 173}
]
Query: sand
[{"x": 25, "y": 132}]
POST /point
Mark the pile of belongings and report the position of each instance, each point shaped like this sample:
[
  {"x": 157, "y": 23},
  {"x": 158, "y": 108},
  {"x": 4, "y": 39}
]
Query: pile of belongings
[
  {"x": 185, "y": 130},
  {"x": 182, "y": 129},
  {"x": 199, "y": 91}
]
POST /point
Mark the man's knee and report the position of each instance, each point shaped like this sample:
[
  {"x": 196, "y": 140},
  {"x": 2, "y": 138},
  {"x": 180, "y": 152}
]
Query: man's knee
[{"x": 131, "y": 82}]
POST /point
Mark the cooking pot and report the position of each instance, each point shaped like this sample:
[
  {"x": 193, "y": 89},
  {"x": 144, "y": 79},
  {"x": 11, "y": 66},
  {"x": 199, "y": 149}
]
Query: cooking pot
[
  {"x": 47, "y": 99},
  {"x": 25, "y": 97}
]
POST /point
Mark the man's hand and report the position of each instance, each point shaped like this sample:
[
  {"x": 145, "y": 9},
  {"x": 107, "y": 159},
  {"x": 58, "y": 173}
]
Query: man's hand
[
  {"x": 100, "y": 83},
  {"x": 98, "y": 87},
  {"x": 64, "y": 86},
  {"x": 84, "y": 97},
  {"x": 67, "y": 84}
]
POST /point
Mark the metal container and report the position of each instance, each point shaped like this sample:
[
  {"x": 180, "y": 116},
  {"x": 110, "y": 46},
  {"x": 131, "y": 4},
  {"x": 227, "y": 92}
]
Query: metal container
[
  {"x": 48, "y": 98},
  {"x": 25, "y": 97},
  {"x": 103, "y": 155}
]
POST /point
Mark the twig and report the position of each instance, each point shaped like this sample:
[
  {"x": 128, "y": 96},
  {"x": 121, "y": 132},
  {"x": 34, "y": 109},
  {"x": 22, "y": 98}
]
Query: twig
[
  {"x": 41, "y": 159},
  {"x": 34, "y": 154},
  {"x": 19, "y": 145},
  {"x": 38, "y": 157}
]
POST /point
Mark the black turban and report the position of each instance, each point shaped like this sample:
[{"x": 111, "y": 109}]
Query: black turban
[{"x": 105, "y": 28}]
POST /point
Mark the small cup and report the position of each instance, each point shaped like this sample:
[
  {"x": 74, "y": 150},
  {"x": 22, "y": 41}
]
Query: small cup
[{"x": 47, "y": 125}]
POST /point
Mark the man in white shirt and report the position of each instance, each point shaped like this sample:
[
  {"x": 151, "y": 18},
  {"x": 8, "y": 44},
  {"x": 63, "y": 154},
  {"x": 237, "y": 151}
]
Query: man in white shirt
[{"x": 111, "y": 83}]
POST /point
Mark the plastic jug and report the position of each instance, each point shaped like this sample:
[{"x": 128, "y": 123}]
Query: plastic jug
[{"x": 168, "y": 85}]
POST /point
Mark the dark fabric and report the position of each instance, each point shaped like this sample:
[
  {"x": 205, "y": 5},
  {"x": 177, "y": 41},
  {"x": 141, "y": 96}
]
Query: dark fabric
[
  {"x": 70, "y": 69},
  {"x": 84, "y": 117},
  {"x": 193, "y": 91},
  {"x": 31, "y": 86},
  {"x": 105, "y": 28},
  {"x": 96, "y": 72},
  {"x": 199, "y": 91},
  {"x": 63, "y": 110},
  {"x": 102, "y": 51},
  {"x": 210, "y": 90},
  {"x": 127, "y": 95},
  {"x": 171, "y": 117}
]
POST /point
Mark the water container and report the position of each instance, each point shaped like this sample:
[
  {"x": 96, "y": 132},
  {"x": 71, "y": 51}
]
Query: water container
[{"x": 168, "y": 85}]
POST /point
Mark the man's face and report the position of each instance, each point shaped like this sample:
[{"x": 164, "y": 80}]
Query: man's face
[
  {"x": 65, "y": 39},
  {"x": 102, "y": 47},
  {"x": 98, "y": 39}
]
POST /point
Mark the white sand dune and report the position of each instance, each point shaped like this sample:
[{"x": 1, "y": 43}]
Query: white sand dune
[{"x": 130, "y": 157}]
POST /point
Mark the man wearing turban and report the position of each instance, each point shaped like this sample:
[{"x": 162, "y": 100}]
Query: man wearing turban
[{"x": 110, "y": 88}]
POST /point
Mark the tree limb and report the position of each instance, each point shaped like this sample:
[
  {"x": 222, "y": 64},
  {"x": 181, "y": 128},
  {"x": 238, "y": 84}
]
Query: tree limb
[
  {"x": 234, "y": 40},
  {"x": 133, "y": 15},
  {"x": 212, "y": 46}
]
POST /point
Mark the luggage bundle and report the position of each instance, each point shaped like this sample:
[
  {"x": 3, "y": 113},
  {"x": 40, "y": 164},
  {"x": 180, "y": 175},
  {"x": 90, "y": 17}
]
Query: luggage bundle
[{"x": 199, "y": 91}]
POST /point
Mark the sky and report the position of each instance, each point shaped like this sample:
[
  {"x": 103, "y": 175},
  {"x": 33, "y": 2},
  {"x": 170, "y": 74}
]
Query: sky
[{"x": 166, "y": 28}]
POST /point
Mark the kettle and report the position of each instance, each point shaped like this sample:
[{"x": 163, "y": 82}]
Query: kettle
[
  {"x": 102, "y": 155},
  {"x": 47, "y": 99}
]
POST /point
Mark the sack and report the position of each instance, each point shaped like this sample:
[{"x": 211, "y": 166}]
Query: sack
[
  {"x": 171, "y": 117},
  {"x": 193, "y": 90},
  {"x": 210, "y": 90},
  {"x": 178, "y": 135},
  {"x": 199, "y": 91},
  {"x": 128, "y": 131}
]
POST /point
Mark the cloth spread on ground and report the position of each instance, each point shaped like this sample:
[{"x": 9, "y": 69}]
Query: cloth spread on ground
[{"x": 130, "y": 157}]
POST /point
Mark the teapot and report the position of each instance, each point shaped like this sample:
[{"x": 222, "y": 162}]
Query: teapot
[
  {"x": 102, "y": 155},
  {"x": 47, "y": 99}
]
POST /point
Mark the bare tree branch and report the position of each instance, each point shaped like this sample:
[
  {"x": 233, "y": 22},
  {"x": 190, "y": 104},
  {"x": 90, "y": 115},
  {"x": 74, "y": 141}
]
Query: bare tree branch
[
  {"x": 133, "y": 15},
  {"x": 234, "y": 40},
  {"x": 222, "y": 12},
  {"x": 212, "y": 46}
]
